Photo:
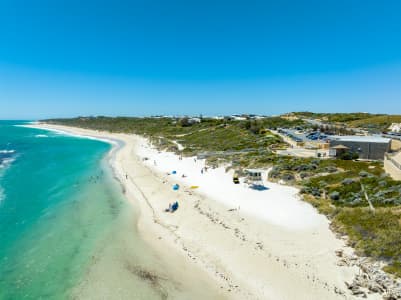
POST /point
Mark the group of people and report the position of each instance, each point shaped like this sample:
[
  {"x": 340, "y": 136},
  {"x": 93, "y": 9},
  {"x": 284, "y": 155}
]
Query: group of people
[{"x": 203, "y": 170}]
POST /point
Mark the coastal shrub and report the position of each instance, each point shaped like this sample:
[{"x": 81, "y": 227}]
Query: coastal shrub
[
  {"x": 304, "y": 175},
  {"x": 377, "y": 123},
  {"x": 382, "y": 183},
  {"x": 377, "y": 235},
  {"x": 393, "y": 268},
  {"x": 274, "y": 173},
  {"x": 304, "y": 190},
  {"x": 388, "y": 201},
  {"x": 355, "y": 201},
  {"x": 330, "y": 169},
  {"x": 316, "y": 192},
  {"x": 335, "y": 196},
  {"x": 348, "y": 181},
  {"x": 348, "y": 155},
  {"x": 305, "y": 167},
  {"x": 322, "y": 183},
  {"x": 348, "y": 192},
  {"x": 184, "y": 122},
  {"x": 288, "y": 177}
]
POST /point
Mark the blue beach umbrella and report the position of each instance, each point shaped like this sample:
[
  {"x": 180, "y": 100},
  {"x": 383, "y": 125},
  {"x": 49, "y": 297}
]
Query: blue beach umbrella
[{"x": 176, "y": 187}]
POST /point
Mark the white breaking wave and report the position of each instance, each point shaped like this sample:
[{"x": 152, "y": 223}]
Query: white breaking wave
[
  {"x": 65, "y": 133},
  {"x": 7, "y": 151},
  {"x": 6, "y": 162},
  {"x": 41, "y": 136},
  {"x": 82, "y": 136}
]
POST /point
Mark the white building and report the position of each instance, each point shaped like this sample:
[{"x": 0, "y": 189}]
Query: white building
[
  {"x": 194, "y": 120},
  {"x": 238, "y": 118},
  {"x": 395, "y": 127}
]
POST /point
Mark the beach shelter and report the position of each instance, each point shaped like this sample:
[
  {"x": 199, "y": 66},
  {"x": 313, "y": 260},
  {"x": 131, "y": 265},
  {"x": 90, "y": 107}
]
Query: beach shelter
[
  {"x": 337, "y": 150},
  {"x": 176, "y": 187},
  {"x": 254, "y": 176}
]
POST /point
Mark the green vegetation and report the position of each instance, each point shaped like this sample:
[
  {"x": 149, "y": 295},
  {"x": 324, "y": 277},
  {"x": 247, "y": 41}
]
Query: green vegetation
[
  {"x": 371, "y": 122},
  {"x": 348, "y": 155},
  {"x": 336, "y": 117},
  {"x": 335, "y": 187},
  {"x": 333, "y": 129},
  {"x": 376, "y": 234},
  {"x": 321, "y": 180},
  {"x": 377, "y": 123},
  {"x": 207, "y": 135}
]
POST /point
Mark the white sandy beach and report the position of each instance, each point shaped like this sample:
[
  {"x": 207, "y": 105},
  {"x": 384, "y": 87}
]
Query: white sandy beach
[{"x": 252, "y": 244}]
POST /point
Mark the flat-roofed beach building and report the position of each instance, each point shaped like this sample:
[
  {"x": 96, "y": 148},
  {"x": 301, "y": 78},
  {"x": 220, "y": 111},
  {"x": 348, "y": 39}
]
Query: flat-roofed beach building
[{"x": 367, "y": 147}]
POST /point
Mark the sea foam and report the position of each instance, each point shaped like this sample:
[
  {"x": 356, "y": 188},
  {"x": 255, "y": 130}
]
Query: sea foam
[
  {"x": 4, "y": 163},
  {"x": 6, "y": 151}
]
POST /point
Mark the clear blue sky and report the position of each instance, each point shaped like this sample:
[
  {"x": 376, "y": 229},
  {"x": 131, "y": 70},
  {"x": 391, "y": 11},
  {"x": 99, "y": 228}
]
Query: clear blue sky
[{"x": 142, "y": 57}]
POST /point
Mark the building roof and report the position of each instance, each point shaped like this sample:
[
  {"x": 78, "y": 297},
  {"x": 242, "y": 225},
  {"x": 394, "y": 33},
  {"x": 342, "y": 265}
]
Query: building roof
[
  {"x": 340, "y": 147},
  {"x": 254, "y": 170},
  {"x": 357, "y": 138}
]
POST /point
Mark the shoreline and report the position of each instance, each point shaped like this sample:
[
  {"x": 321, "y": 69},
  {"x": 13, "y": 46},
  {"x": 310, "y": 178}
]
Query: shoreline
[
  {"x": 125, "y": 276},
  {"x": 246, "y": 257}
]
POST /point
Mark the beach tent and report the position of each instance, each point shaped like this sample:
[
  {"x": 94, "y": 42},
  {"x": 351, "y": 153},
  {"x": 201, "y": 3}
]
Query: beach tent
[
  {"x": 174, "y": 207},
  {"x": 174, "y": 172},
  {"x": 176, "y": 187}
]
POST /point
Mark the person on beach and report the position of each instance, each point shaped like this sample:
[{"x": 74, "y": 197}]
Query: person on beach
[
  {"x": 169, "y": 209},
  {"x": 126, "y": 176}
]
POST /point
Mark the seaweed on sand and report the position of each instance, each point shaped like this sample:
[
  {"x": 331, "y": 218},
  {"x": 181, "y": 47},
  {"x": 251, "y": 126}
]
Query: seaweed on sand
[{"x": 150, "y": 277}]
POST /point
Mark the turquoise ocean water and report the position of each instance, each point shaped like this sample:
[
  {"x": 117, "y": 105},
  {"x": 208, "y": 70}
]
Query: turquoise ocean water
[
  {"x": 49, "y": 184},
  {"x": 67, "y": 232}
]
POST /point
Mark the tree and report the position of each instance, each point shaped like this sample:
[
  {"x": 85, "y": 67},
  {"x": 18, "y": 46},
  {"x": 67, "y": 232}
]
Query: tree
[
  {"x": 184, "y": 122},
  {"x": 255, "y": 127},
  {"x": 349, "y": 155}
]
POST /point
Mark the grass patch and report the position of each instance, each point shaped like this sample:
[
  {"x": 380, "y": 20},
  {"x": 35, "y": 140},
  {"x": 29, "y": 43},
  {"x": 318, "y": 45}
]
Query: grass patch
[{"x": 372, "y": 234}]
